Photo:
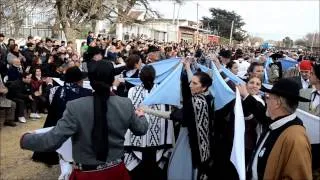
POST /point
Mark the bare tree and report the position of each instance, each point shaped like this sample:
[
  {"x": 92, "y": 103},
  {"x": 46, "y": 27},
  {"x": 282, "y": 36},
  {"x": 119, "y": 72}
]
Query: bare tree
[
  {"x": 313, "y": 39},
  {"x": 254, "y": 39},
  {"x": 14, "y": 12},
  {"x": 74, "y": 15},
  {"x": 309, "y": 40}
]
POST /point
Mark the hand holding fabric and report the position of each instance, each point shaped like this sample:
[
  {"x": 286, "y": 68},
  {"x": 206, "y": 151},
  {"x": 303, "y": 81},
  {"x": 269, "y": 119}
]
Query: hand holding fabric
[
  {"x": 116, "y": 82},
  {"x": 139, "y": 112},
  {"x": 243, "y": 90},
  {"x": 216, "y": 61},
  {"x": 186, "y": 63}
]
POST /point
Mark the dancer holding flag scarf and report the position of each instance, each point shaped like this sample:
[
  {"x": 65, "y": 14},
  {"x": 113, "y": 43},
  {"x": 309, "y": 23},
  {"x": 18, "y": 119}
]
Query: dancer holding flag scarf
[
  {"x": 194, "y": 142},
  {"x": 147, "y": 156}
]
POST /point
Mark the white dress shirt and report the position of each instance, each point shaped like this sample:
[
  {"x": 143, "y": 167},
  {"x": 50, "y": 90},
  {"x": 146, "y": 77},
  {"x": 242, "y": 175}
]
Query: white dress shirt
[
  {"x": 305, "y": 83},
  {"x": 243, "y": 67},
  {"x": 315, "y": 99}
]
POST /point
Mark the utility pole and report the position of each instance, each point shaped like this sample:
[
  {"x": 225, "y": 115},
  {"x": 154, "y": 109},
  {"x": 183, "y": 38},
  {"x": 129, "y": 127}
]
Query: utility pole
[
  {"x": 313, "y": 41},
  {"x": 178, "y": 23},
  {"x": 197, "y": 23},
  {"x": 231, "y": 32},
  {"x": 174, "y": 11}
]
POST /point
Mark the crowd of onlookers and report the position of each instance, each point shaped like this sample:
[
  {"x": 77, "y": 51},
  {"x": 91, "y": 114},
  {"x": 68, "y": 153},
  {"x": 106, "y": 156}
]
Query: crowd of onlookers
[
  {"x": 27, "y": 79},
  {"x": 27, "y": 71},
  {"x": 26, "y": 75}
]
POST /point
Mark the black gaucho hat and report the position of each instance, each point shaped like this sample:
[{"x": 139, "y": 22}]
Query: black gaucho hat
[
  {"x": 276, "y": 56},
  {"x": 94, "y": 50},
  {"x": 225, "y": 53},
  {"x": 153, "y": 48},
  {"x": 286, "y": 88},
  {"x": 73, "y": 74}
]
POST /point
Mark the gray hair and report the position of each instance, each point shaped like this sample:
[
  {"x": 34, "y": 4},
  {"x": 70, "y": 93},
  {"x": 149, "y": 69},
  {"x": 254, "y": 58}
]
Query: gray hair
[{"x": 290, "y": 105}]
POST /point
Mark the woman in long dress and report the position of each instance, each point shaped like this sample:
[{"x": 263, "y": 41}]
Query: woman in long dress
[
  {"x": 254, "y": 111},
  {"x": 191, "y": 156},
  {"x": 147, "y": 156},
  {"x": 133, "y": 66}
]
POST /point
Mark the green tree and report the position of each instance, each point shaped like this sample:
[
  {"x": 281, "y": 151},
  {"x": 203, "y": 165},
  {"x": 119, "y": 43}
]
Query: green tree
[
  {"x": 288, "y": 43},
  {"x": 220, "y": 22},
  {"x": 300, "y": 42}
]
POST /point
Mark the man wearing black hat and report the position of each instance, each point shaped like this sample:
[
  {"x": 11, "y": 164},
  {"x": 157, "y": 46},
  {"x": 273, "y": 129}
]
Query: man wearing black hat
[
  {"x": 283, "y": 151},
  {"x": 59, "y": 96},
  {"x": 225, "y": 56},
  {"x": 93, "y": 54},
  {"x": 153, "y": 54},
  {"x": 97, "y": 125},
  {"x": 275, "y": 68}
]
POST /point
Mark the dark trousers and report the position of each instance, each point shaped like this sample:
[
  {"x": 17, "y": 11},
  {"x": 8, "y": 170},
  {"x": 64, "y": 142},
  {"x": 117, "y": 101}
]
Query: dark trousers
[
  {"x": 21, "y": 106},
  {"x": 148, "y": 167},
  {"x": 39, "y": 104}
]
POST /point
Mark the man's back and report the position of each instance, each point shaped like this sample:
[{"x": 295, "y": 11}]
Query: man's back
[{"x": 120, "y": 118}]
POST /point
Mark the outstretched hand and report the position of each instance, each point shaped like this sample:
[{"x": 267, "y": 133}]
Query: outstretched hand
[
  {"x": 186, "y": 63},
  {"x": 139, "y": 112},
  {"x": 215, "y": 60}
]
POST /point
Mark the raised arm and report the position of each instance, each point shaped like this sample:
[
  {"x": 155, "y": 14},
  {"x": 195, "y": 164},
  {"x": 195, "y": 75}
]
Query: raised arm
[
  {"x": 253, "y": 106},
  {"x": 230, "y": 83}
]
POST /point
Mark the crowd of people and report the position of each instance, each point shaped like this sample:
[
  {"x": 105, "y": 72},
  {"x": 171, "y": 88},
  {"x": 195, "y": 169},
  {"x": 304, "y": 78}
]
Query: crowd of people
[{"x": 115, "y": 136}]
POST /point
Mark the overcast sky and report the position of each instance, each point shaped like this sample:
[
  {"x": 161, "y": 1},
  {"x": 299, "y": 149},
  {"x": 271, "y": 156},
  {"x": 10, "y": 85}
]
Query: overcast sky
[{"x": 271, "y": 20}]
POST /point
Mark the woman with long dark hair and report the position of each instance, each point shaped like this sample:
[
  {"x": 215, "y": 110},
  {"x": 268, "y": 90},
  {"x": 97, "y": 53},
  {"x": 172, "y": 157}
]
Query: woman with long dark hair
[
  {"x": 147, "y": 155},
  {"x": 192, "y": 155},
  {"x": 97, "y": 125},
  {"x": 233, "y": 67},
  {"x": 133, "y": 65},
  {"x": 39, "y": 95}
]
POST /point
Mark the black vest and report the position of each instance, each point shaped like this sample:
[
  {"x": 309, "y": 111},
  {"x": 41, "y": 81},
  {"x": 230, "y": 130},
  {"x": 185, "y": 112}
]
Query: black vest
[{"x": 265, "y": 151}]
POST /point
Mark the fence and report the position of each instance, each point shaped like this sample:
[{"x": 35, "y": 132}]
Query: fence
[{"x": 33, "y": 31}]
